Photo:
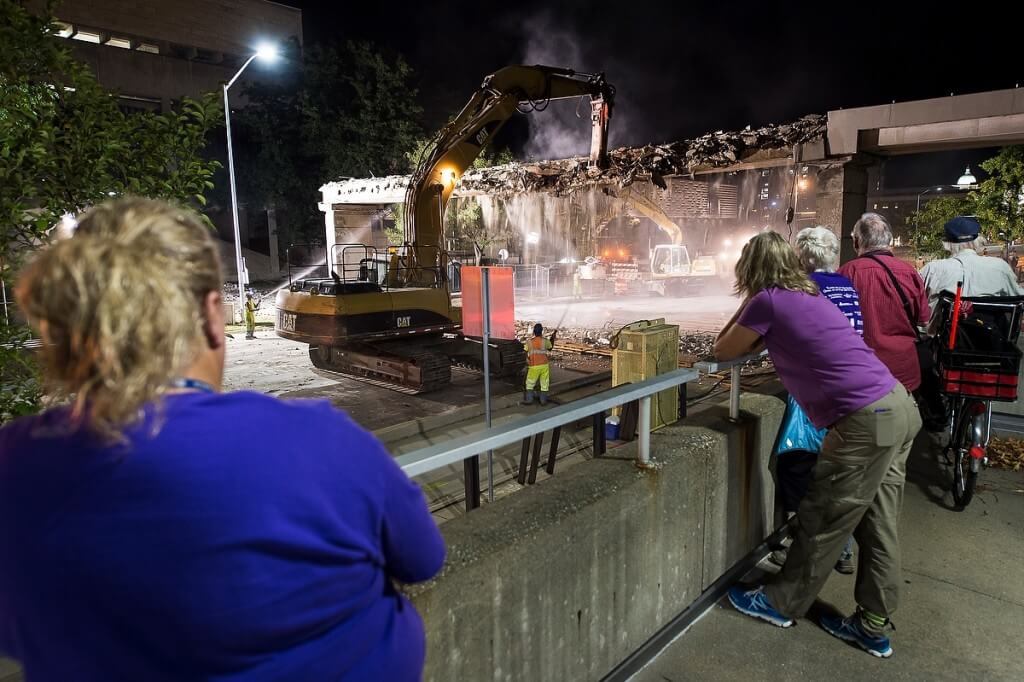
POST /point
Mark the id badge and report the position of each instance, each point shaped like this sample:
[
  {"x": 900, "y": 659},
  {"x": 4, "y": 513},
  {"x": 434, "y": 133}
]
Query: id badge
[{"x": 885, "y": 427}]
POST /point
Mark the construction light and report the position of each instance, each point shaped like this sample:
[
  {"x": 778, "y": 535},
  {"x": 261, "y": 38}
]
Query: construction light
[
  {"x": 532, "y": 238},
  {"x": 267, "y": 52},
  {"x": 448, "y": 176}
]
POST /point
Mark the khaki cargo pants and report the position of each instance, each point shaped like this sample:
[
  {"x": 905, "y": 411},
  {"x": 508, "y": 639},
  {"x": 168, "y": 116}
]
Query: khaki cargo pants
[{"x": 857, "y": 488}]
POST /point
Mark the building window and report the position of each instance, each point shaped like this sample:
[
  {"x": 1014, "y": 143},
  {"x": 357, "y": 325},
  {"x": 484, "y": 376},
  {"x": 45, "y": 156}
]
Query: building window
[
  {"x": 87, "y": 37},
  {"x": 123, "y": 43},
  {"x": 148, "y": 47}
]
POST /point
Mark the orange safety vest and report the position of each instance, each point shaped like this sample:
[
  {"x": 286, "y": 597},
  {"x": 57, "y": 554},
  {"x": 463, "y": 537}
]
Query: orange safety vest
[{"x": 537, "y": 352}]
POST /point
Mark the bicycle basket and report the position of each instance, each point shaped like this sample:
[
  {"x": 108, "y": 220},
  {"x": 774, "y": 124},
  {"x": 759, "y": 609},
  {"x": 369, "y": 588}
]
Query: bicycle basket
[{"x": 985, "y": 361}]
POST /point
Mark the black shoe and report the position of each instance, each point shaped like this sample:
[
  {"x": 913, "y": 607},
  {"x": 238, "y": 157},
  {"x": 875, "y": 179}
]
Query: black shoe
[{"x": 846, "y": 565}]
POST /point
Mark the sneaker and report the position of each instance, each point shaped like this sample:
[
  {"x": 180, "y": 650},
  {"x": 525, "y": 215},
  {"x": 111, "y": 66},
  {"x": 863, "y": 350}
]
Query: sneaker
[
  {"x": 850, "y": 630},
  {"x": 754, "y": 603},
  {"x": 845, "y": 565}
]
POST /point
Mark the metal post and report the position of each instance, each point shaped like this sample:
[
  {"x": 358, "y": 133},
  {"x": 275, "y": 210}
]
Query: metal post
[
  {"x": 3, "y": 288},
  {"x": 734, "y": 392},
  {"x": 234, "y": 198},
  {"x": 644, "y": 446},
  {"x": 485, "y": 293}
]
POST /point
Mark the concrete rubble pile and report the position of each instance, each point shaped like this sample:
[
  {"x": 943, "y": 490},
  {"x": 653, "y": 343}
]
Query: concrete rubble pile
[
  {"x": 651, "y": 162},
  {"x": 697, "y": 345}
]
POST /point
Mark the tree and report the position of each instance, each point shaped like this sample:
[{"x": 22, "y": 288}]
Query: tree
[
  {"x": 334, "y": 112},
  {"x": 65, "y": 145},
  {"x": 999, "y": 200},
  {"x": 998, "y": 203},
  {"x": 926, "y": 233}
]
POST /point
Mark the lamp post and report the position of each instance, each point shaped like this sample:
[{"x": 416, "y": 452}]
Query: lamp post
[{"x": 266, "y": 53}]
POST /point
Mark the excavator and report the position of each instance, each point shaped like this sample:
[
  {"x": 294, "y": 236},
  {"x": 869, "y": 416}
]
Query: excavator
[
  {"x": 672, "y": 271},
  {"x": 389, "y": 318}
]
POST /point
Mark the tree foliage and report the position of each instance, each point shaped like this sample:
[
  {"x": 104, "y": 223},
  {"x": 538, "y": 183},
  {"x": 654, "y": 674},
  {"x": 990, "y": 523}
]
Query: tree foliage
[
  {"x": 332, "y": 112},
  {"x": 999, "y": 200},
  {"x": 926, "y": 226},
  {"x": 998, "y": 203},
  {"x": 65, "y": 145}
]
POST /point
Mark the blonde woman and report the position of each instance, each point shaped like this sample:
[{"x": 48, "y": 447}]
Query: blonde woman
[
  {"x": 155, "y": 528},
  {"x": 858, "y": 479}
]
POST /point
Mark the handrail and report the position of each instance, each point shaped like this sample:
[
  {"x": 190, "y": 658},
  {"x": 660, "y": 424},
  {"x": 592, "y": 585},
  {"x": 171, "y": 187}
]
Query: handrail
[
  {"x": 457, "y": 449},
  {"x": 734, "y": 367}
]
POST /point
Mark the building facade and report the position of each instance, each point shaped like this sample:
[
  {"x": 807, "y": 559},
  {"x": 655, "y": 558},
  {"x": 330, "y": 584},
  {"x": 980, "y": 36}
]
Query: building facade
[{"x": 152, "y": 53}]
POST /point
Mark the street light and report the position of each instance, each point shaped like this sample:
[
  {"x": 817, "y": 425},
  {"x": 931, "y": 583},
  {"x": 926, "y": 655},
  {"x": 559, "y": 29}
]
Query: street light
[
  {"x": 266, "y": 52},
  {"x": 966, "y": 181}
]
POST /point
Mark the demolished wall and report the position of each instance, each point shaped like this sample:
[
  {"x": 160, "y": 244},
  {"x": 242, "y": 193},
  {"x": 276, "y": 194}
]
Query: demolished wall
[{"x": 564, "y": 210}]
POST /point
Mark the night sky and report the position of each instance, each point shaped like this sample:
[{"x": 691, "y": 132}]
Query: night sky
[{"x": 684, "y": 69}]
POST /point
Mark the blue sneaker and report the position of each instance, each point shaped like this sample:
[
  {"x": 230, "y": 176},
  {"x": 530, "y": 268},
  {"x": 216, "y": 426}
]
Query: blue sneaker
[
  {"x": 850, "y": 630},
  {"x": 755, "y": 603}
]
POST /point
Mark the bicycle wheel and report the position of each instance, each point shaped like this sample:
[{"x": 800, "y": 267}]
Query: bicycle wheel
[{"x": 964, "y": 473}]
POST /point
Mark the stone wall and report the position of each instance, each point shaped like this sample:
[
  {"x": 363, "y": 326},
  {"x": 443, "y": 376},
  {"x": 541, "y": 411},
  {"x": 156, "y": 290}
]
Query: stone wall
[{"x": 565, "y": 579}]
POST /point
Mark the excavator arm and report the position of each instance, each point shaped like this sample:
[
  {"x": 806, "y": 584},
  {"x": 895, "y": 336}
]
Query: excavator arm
[{"x": 457, "y": 145}]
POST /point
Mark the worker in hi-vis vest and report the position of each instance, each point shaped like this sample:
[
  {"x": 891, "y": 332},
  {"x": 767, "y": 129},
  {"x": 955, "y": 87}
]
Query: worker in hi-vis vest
[{"x": 539, "y": 369}]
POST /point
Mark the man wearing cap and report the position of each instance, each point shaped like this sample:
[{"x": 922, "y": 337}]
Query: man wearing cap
[{"x": 981, "y": 276}]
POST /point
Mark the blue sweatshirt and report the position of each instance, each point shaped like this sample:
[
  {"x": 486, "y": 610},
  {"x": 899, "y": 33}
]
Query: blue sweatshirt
[{"x": 249, "y": 539}]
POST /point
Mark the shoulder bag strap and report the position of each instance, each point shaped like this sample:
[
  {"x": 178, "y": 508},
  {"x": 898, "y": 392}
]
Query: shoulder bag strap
[{"x": 899, "y": 290}]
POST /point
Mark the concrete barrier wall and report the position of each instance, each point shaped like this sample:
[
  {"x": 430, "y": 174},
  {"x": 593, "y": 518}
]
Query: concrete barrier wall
[{"x": 563, "y": 580}]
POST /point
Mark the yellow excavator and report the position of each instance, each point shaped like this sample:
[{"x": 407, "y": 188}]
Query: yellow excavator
[{"x": 388, "y": 317}]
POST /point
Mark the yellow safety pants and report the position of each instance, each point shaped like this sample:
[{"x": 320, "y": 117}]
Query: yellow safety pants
[{"x": 537, "y": 373}]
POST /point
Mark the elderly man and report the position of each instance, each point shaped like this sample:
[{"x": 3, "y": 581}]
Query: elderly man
[
  {"x": 892, "y": 298},
  {"x": 981, "y": 276}
]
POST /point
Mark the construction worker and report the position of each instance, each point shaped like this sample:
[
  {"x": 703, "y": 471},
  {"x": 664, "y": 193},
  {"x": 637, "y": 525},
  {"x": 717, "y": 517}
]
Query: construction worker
[
  {"x": 577, "y": 285},
  {"x": 251, "y": 306},
  {"x": 539, "y": 369}
]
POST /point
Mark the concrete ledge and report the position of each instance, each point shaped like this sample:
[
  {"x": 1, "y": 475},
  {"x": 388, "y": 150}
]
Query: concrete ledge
[{"x": 563, "y": 580}]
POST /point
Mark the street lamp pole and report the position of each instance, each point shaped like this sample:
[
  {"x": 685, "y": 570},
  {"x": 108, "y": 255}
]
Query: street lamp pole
[
  {"x": 966, "y": 181},
  {"x": 267, "y": 53}
]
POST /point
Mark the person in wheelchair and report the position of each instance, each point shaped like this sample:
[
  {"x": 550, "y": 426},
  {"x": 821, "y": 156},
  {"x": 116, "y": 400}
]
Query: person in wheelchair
[
  {"x": 981, "y": 276},
  {"x": 983, "y": 327}
]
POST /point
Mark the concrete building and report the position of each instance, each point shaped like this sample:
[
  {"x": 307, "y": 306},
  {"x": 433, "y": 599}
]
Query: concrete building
[{"x": 153, "y": 53}]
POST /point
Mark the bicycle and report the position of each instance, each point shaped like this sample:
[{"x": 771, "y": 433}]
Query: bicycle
[{"x": 978, "y": 364}]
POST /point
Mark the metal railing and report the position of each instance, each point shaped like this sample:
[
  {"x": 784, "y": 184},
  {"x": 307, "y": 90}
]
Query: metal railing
[
  {"x": 734, "y": 366},
  {"x": 532, "y": 281},
  {"x": 461, "y": 448}
]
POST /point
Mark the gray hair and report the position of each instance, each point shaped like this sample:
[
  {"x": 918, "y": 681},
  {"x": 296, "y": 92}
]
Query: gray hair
[
  {"x": 977, "y": 244},
  {"x": 872, "y": 232},
  {"x": 818, "y": 249}
]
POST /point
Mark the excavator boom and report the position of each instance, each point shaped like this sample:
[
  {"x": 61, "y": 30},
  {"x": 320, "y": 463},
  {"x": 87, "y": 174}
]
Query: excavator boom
[{"x": 459, "y": 143}]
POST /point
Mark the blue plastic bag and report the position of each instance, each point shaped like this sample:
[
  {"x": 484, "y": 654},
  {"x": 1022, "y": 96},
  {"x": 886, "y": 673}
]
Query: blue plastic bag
[{"x": 797, "y": 432}]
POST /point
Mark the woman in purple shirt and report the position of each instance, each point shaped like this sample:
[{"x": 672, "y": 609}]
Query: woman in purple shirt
[
  {"x": 859, "y": 477},
  {"x": 155, "y": 528}
]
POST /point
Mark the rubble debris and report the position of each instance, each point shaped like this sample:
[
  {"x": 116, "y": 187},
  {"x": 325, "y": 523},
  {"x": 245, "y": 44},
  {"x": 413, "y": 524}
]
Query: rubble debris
[
  {"x": 693, "y": 346},
  {"x": 651, "y": 162}
]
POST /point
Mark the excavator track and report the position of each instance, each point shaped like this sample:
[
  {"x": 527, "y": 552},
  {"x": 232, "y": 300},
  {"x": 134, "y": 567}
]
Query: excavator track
[
  {"x": 508, "y": 361},
  {"x": 410, "y": 370}
]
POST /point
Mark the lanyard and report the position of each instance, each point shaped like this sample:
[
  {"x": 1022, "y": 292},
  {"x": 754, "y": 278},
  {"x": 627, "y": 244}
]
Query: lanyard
[{"x": 194, "y": 384}]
